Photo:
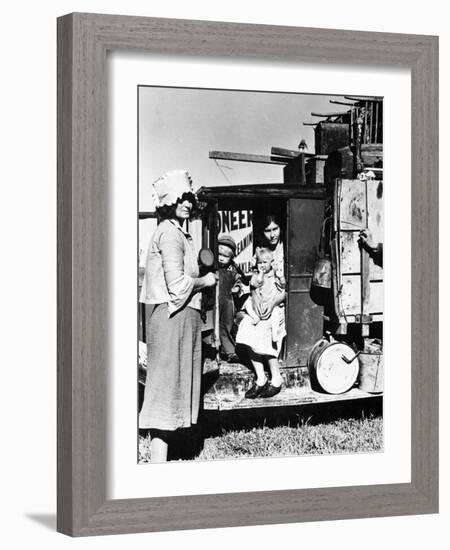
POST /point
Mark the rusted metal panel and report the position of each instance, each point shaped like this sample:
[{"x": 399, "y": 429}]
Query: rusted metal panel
[{"x": 304, "y": 317}]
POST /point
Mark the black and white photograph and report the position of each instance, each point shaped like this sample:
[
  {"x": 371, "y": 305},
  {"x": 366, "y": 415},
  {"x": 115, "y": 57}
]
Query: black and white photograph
[{"x": 260, "y": 274}]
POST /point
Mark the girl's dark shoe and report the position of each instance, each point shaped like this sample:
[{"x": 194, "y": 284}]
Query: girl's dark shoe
[
  {"x": 271, "y": 390},
  {"x": 256, "y": 391}
]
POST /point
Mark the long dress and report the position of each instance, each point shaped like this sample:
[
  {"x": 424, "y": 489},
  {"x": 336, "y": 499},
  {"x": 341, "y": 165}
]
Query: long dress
[{"x": 172, "y": 389}]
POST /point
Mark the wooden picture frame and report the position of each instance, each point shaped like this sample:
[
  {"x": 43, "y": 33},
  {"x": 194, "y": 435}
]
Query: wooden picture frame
[{"x": 83, "y": 41}]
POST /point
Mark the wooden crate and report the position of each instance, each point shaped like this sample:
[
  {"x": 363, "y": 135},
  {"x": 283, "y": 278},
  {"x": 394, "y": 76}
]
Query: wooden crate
[{"x": 357, "y": 205}]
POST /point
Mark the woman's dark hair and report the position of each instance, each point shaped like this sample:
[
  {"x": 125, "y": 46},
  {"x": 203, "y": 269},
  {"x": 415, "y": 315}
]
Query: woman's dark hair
[
  {"x": 267, "y": 219},
  {"x": 167, "y": 211},
  {"x": 260, "y": 221}
]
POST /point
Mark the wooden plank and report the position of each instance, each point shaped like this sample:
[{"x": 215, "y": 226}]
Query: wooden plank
[
  {"x": 363, "y": 98},
  {"x": 232, "y": 380},
  {"x": 341, "y": 102},
  {"x": 281, "y": 191},
  {"x": 291, "y": 153},
  {"x": 336, "y": 113},
  {"x": 288, "y": 397},
  {"x": 285, "y": 152},
  {"x": 246, "y": 157}
]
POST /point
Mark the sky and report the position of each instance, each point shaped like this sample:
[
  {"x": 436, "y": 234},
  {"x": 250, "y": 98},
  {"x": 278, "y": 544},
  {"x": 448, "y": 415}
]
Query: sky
[{"x": 179, "y": 126}]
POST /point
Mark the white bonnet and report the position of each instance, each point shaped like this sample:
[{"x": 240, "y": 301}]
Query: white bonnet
[{"x": 168, "y": 188}]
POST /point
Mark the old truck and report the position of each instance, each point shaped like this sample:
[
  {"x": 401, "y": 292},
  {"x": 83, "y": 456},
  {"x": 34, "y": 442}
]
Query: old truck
[{"x": 334, "y": 303}]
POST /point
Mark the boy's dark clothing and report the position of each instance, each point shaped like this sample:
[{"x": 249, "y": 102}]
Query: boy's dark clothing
[{"x": 228, "y": 277}]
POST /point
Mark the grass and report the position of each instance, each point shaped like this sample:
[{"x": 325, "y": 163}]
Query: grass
[{"x": 340, "y": 436}]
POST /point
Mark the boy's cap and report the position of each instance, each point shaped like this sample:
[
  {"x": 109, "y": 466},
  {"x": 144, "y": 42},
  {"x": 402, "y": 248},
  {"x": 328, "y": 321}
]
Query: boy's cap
[{"x": 227, "y": 240}]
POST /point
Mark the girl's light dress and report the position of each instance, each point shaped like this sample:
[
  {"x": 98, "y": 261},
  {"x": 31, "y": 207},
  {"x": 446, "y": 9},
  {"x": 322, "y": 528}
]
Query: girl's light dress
[{"x": 266, "y": 336}]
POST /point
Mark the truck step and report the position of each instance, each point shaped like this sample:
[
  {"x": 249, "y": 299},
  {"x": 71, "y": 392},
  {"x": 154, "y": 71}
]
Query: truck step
[{"x": 224, "y": 387}]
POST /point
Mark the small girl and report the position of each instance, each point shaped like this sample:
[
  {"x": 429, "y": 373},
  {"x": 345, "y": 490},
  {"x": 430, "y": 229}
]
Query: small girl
[{"x": 262, "y": 328}]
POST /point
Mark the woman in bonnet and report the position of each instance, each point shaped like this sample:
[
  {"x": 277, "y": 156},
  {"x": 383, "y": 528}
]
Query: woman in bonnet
[{"x": 171, "y": 292}]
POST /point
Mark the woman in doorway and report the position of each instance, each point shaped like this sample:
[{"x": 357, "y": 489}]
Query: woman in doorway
[
  {"x": 171, "y": 293},
  {"x": 250, "y": 334},
  {"x": 271, "y": 237}
]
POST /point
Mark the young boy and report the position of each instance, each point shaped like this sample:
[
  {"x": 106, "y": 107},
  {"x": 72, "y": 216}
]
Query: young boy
[{"x": 230, "y": 283}]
